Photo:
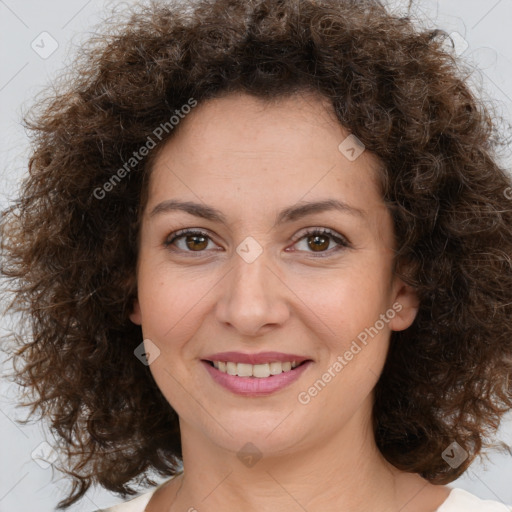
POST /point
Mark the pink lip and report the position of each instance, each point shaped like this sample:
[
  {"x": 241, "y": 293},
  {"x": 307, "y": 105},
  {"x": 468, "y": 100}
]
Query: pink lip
[
  {"x": 254, "y": 386},
  {"x": 262, "y": 357}
]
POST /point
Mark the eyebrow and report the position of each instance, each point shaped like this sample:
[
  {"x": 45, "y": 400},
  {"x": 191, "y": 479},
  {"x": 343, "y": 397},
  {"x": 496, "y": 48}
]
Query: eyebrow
[{"x": 290, "y": 214}]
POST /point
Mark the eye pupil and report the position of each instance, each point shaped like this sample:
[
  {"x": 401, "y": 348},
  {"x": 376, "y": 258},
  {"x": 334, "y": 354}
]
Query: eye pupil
[
  {"x": 195, "y": 246},
  {"x": 315, "y": 245}
]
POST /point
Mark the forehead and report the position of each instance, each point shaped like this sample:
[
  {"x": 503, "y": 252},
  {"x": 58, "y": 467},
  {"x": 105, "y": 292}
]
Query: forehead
[{"x": 243, "y": 143}]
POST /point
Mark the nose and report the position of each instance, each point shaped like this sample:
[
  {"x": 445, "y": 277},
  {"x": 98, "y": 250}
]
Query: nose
[{"x": 253, "y": 297}]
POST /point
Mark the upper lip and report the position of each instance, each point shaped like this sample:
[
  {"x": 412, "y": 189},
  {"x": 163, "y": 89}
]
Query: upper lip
[{"x": 260, "y": 358}]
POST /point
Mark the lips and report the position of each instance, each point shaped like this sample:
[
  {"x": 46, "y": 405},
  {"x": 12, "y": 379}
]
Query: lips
[
  {"x": 260, "y": 358},
  {"x": 254, "y": 386}
]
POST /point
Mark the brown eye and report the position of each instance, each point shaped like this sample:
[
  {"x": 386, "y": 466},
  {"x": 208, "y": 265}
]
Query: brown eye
[
  {"x": 318, "y": 241},
  {"x": 194, "y": 241}
]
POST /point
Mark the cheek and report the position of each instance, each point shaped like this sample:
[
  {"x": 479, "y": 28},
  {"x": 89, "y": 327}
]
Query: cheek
[
  {"x": 351, "y": 302},
  {"x": 168, "y": 302},
  {"x": 357, "y": 348},
  {"x": 356, "y": 344}
]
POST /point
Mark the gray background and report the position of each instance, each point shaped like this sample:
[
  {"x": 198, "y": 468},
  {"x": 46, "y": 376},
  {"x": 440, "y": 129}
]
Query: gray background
[{"x": 484, "y": 39}]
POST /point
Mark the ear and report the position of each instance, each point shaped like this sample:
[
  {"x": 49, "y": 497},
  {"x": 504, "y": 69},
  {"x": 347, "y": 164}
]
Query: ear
[
  {"x": 405, "y": 304},
  {"x": 135, "y": 315}
]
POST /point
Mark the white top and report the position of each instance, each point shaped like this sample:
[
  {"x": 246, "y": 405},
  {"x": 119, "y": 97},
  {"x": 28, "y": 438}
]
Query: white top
[{"x": 458, "y": 500}]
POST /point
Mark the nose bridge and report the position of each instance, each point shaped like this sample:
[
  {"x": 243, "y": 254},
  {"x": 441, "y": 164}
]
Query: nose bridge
[
  {"x": 251, "y": 272},
  {"x": 251, "y": 296}
]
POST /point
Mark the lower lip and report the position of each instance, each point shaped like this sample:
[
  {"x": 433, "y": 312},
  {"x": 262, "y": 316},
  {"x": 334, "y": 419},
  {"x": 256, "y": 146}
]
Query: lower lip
[{"x": 255, "y": 386}]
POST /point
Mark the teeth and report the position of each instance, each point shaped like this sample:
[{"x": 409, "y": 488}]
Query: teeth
[
  {"x": 275, "y": 368},
  {"x": 254, "y": 370},
  {"x": 244, "y": 370},
  {"x": 259, "y": 370},
  {"x": 232, "y": 368}
]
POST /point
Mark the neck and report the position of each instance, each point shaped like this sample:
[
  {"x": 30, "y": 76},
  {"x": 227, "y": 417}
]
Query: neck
[{"x": 343, "y": 471}]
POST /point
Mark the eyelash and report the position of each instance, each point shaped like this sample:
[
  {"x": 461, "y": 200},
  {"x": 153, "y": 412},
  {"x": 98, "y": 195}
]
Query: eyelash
[{"x": 336, "y": 237}]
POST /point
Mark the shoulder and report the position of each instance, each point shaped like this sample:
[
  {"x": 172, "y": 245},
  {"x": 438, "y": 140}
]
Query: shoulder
[
  {"x": 137, "y": 504},
  {"x": 460, "y": 500}
]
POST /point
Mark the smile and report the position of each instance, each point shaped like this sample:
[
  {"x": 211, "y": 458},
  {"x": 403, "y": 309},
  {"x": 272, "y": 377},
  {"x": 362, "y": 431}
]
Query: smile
[
  {"x": 254, "y": 370},
  {"x": 255, "y": 380}
]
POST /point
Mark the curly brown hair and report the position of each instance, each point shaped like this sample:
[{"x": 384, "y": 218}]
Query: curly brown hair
[{"x": 69, "y": 258}]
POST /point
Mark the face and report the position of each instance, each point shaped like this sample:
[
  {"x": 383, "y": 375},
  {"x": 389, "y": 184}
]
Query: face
[{"x": 261, "y": 270}]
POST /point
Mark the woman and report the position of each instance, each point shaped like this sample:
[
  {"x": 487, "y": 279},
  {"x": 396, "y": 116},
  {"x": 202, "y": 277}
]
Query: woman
[{"x": 265, "y": 250}]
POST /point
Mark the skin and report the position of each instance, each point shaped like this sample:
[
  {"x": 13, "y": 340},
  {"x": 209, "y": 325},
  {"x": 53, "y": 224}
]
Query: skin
[{"x": 250, "y": 160}]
